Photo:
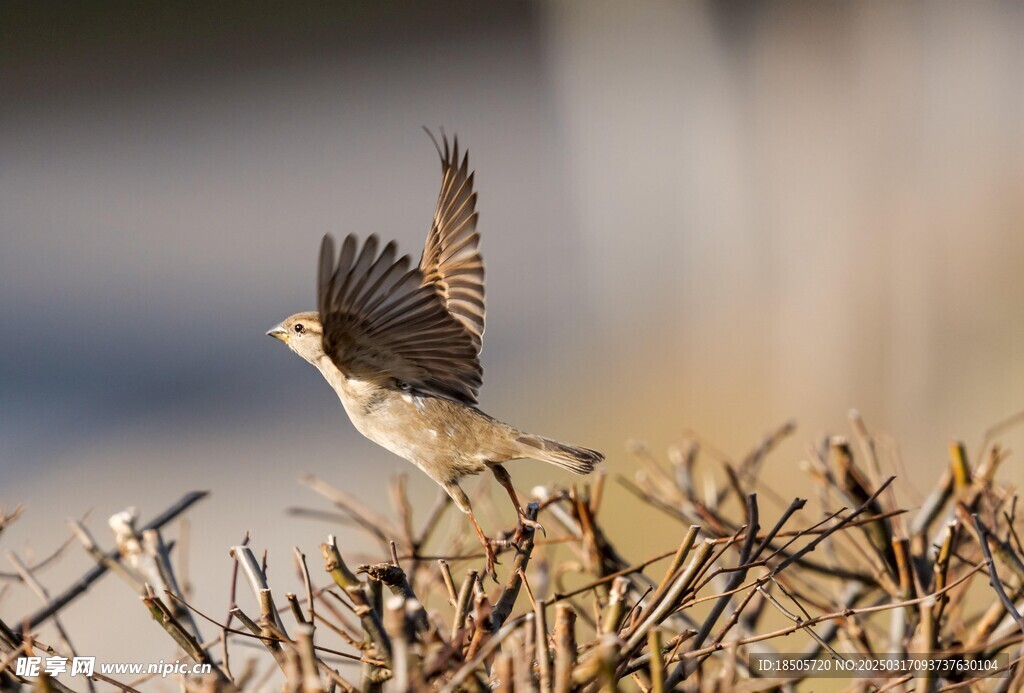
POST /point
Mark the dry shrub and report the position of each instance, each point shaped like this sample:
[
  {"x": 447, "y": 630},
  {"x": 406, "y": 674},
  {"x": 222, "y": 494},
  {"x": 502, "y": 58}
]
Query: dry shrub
[{"x": 850, "y": 573}]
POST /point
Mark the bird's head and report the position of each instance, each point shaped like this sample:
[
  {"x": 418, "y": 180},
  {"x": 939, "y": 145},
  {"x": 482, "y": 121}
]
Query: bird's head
[{"x": 303, "y": 334}]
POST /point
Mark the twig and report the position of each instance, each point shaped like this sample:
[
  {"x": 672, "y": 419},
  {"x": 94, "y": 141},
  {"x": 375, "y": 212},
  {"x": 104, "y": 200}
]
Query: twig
[
  {"x": 254, "y": 632},
  {"x": 33, "y": 584},
  {"x": 845, "y": 613},
  {"x": 469, "y": 667},
  {"x": 449, "y": 583},
  {"x": 398, "y": 583},
  {"x": 362, "y": 514},
  {"x": 672, "y": 596},
  {"x": 503, "y": 607},
  {"x": 565, "y": 647},
  {"x": 344, "y": 578},
  {"x": 462, "y": 603},
  {"x": 993, "y": 576},
  {"x": 257, "y": 579},
  {"x": 83, "y": 583},
  {"x": 303, "y": 569},
  {"x": 186, "y": 641},
  {"x": 746, "y": 552}
]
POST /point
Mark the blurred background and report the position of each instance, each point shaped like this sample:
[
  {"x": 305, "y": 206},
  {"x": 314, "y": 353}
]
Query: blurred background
[{"x": 705, "y": 216}]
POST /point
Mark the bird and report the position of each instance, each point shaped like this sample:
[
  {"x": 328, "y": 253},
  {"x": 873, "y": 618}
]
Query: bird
[{"x": 400, "y": 345}]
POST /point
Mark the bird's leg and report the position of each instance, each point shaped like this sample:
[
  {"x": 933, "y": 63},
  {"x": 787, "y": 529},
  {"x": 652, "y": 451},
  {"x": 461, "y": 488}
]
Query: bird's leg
[
  {"x": 488, "y": 545},
  {"x": 462, "y": 500},
  {"x": 521, "y": 519}
]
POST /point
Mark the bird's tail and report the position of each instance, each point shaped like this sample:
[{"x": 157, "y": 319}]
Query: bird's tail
[{"x": 576, "y": 460}]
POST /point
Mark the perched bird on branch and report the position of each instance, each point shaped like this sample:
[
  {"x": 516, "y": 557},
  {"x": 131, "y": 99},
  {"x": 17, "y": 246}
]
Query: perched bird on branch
[{"x": 400, "y": 345}]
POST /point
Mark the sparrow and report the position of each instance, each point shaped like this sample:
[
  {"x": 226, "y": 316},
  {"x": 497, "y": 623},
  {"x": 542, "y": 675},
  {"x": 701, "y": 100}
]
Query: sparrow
[{"x": 400, "y": 345}]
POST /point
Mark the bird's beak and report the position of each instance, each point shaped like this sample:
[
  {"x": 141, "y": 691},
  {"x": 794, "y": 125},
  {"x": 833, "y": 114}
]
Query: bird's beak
[{"x": 278, "y": 332}]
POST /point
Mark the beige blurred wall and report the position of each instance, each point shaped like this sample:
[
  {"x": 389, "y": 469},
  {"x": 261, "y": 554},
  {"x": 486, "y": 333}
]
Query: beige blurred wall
[{"x": 796, "y": 208}]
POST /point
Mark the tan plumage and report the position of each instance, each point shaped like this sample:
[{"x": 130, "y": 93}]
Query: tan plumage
[{"x": 400, "y": 345}]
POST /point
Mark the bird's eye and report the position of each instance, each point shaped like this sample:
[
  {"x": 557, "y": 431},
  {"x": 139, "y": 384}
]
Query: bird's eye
[
  {"x": 404, "y": 386},
  {"x": 299, "y": 328}
]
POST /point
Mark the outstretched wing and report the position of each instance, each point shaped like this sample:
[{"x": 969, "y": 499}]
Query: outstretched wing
[
  {"x": 451, "y": 262},
  {"x": 383, "y": 323}
]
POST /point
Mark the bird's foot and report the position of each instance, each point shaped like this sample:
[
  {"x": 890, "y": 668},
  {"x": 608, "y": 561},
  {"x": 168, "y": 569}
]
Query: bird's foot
[
  {"x": 522, "y": 522},
  {"x": 489, "y": 545},
  {"x": 533, "y": 524},
  {"x": 492, "y": 556}
]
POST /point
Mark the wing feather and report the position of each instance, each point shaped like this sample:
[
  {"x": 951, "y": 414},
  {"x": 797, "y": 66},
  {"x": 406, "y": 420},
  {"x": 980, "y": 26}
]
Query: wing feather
[
  {"x": 451, "y": 262},
  {"x": 382, "y": 322}
]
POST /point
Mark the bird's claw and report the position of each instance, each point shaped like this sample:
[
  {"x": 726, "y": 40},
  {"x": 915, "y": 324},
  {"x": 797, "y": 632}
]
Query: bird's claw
[
  {"x": 492, "y": 557},
  {"x": 521, "y": 525},
  {"x": 534, "y": 525}
]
